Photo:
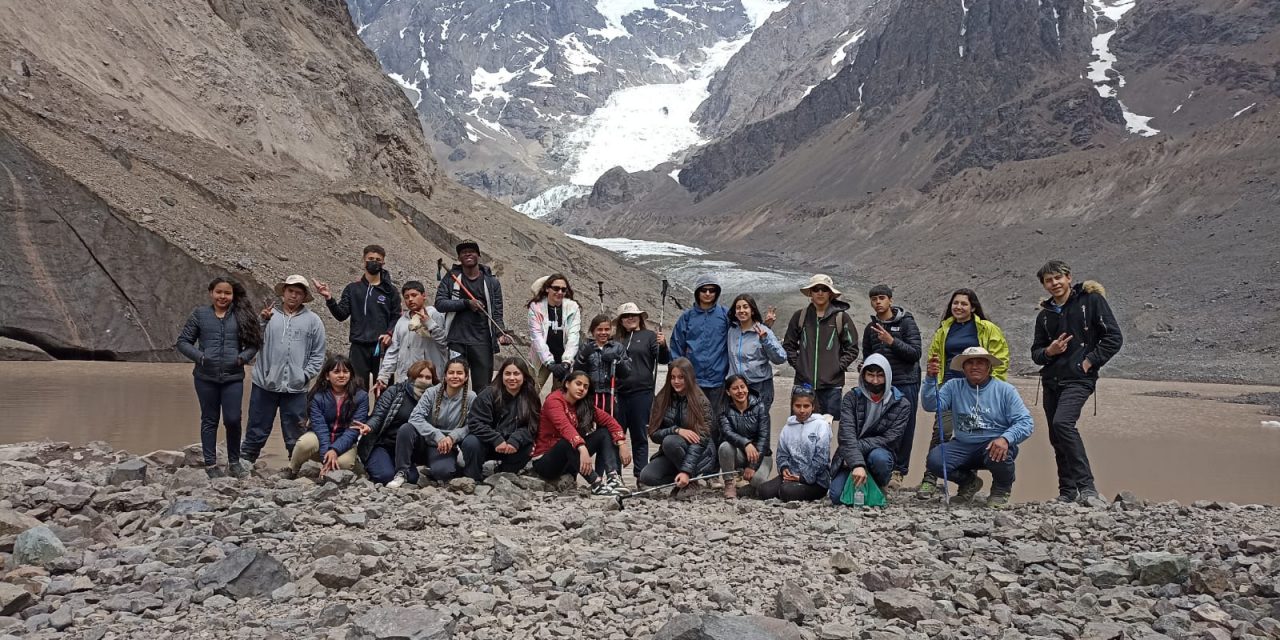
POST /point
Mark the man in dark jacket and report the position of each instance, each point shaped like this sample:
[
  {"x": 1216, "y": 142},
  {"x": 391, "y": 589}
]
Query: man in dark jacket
[
  {"x": 373, "y": 304},
  {"x": 820, "y": 343},
  {"x": 893, "y": 334},
  {"x": 873, "y": 417},
  {"x": 470, "y": 296},
  {"x": 1075, "y": 335}
]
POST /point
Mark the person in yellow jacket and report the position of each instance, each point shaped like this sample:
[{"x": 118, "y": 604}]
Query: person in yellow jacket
[{"x": 964, "y": 325}]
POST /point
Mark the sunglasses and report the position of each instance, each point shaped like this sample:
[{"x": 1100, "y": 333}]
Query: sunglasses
[
  {"x": 557, "y": 289},
  {"x": 706, "y": 290},
  {"x": 819, "y": 289}
]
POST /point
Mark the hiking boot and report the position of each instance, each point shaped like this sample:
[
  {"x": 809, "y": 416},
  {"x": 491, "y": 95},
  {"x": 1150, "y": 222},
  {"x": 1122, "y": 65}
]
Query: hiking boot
[
  {"x": 928, "y": 487},
  {"x": 214, "y": 472},
  {"x": 616, "y": 483},
  {"x": 965, "y": 492},
  {"x": 1067, "y": 496},
  {"x": 731, "y": 490},
  {"x": 236, "y": 469},
  {"x": 895, "y": 481},
  {"x": 398, "y": 481},
  {"x": 999, "y": 498},
  {"x": 1090, "y": 498}
]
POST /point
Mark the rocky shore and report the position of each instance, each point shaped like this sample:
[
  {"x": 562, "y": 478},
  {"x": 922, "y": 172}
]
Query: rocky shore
[{"x": 98, "y": 544}]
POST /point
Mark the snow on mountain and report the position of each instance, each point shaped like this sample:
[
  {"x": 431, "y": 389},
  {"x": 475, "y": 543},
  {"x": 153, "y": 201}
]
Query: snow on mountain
[{"x": 1101, "y": 68}]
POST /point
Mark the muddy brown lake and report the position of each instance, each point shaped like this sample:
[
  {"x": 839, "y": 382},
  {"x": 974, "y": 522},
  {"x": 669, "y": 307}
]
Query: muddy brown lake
[{"x": 1160, "y": 440}]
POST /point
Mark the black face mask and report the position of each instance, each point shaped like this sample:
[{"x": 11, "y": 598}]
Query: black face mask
[
  {"x": 373, "y": 267},
  {"x": 875, "y": 389}
]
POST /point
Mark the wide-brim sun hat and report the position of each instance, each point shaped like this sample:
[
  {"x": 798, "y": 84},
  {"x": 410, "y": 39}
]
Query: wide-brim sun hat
[
  {"x": 537, "y": 285},
  {"x": 630, "y": 309},
  {"x": 957, "y": 363},
  {"x": 819, "y": 279},
  {"x": 297, "y": 281}
]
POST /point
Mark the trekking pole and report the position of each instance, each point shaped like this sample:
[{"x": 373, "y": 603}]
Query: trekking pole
[
  {"x": 439, "y": 269},
  {"x": 662, "y": 308},
  {"x": 633, "y": 494},
  {"x": 600, "y": 286},
  {"x": 502, "y": 332},
  {"x": 942, "y": 442}
]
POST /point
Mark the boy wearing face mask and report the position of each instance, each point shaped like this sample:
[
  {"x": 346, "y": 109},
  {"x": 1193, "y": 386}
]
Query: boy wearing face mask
[
  {"x": 373, "y": 304},
  {"x": 873, "y": 417}
]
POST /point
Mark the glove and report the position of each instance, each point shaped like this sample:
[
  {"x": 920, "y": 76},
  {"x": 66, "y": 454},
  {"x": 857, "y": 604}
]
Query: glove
[{"x": 559, "y": 370}]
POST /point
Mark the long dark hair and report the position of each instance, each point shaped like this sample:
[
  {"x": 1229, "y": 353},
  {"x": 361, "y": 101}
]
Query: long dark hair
[
  {"x": 337, "y": 361},
  {"x": 698, "y": 419},
  {"x": 248, "y": 331},
  {"x": 751, "y": 302},
  {"x": 583, "y": 410},
  {"x": 973, "y": 302},
  {"x": 546, "y": 287},
  {"x": 528, "y": 405}
]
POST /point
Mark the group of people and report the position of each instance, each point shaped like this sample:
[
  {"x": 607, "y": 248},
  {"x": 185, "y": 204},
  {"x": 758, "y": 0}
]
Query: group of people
[{"x": 418, "y": 388}]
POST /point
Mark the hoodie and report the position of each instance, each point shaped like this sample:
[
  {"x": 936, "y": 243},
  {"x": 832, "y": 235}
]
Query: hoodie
[
  {"x": 904, "y": 354},
  {"x": 373, "y": 309},
  {"x": 412, "y": 341},
  {"x": 701, "y": 334},
  {"x": 804, "y": 448},
  {"x": 866, "y": 424},
  {"x": 819, "y": 356},
  {"x": 1095, "y": 334},
  {"x": 982, "y": 413},
  {"x": 462, "y": 325},
  {"x": 752, "y": 355},
  {"x": 292, "y": 351}
]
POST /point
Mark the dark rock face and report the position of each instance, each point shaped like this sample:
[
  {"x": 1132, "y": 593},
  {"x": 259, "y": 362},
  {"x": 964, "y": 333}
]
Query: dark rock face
[{"x": 247, "y": 572}]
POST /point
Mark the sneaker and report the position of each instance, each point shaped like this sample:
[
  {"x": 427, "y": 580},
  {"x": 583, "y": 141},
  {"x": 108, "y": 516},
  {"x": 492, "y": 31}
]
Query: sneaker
[
  {"x": 999, "y": 498},
  {"x": 1068, "y": 496},
  {"x": 214, "y": 472},
  {"x": 1090, "y": 498},
  {"x": 895, "y": 480},
  {"x": 928, "y": 487},
  {"x": 602, "y": 488},
  {"x": 397, "y": 481},
  {"x": 616, "y": 483},
  {"x": 236, "y": 469},
  {"x": 965, "y": 492}
]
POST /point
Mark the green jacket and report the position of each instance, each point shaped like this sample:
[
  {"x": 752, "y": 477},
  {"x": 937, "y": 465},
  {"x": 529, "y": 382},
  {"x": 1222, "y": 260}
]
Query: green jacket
[{"x": 990, "y": 337}]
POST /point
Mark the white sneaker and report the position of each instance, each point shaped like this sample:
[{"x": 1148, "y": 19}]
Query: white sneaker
[{"x": 397, "y": 481}]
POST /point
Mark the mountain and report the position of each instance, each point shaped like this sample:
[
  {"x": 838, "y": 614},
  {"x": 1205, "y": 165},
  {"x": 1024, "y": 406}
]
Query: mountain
[
  {"x": 521, "y": 96},
  {"x": 146, "y": 148}
]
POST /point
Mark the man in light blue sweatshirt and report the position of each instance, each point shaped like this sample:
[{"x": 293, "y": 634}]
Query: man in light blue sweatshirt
[{"x": 990, "y": 422}]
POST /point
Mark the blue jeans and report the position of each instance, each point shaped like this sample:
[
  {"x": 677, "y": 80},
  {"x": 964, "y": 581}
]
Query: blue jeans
[
  {"x": 263, "y": 406},
  {"x": 219, "y": 398},
  {"x": 902, "y": 453},
  {"x": 827, "y": 400},
  {"x": 633, "y": 415},
  {"x": 964, "y": 459},
  {"x": 879, "y": 465}
]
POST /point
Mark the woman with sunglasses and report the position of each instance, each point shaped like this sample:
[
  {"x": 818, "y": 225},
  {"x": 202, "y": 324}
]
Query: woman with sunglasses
[{"x": 555, "y": 328}]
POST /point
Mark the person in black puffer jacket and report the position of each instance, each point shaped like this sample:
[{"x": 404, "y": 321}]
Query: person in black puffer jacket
[
  {"x": 221, "y": 339},
  {"x": 894, "y": 334},
  {"x": 681, "y": 426},
  {"x": 873, "y": 417},
  {"x": 377, "y": 450},
  {"x": 745, "y": 431},
  {"x": 605, "y": 361}
]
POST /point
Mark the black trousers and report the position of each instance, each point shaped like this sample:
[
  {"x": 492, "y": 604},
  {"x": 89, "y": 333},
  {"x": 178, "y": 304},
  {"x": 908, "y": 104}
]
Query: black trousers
[
  {"x": 1063, "y": 401},
  {"x": 790, "y": 491},
  {"x": 562, "y": 459},
  {"x": 633, "y": 414},
  {"x": 480, "y": 358},
  {"x": 475, "y": 453},
  {"x": 364, "y": 364},
  {"x": 665, "y": 466},
  {"x": 412, "y": 449}
]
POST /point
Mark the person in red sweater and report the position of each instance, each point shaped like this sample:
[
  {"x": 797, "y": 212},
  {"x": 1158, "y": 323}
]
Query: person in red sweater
[{"x": 569, "y": 434}]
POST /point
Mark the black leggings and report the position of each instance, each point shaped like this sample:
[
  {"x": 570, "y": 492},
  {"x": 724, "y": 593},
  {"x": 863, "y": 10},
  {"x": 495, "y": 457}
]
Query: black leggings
[
  {"x": 665, "y": 466},
  {"x": 790, "y": 491},
  {"x": 562, "y": 459}
]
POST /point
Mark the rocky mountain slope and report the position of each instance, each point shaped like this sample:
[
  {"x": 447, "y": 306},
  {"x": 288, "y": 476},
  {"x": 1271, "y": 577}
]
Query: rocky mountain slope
[{"x": 145, "y": 149}]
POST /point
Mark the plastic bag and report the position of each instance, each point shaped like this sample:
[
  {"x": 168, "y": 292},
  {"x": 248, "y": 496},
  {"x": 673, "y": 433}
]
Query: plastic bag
[{"x": 872, "y": 496}]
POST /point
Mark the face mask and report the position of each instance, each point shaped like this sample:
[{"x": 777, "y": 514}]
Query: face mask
[
  {"x": 875, "y": 389},
  {"x": 420, "y": 386},
  {"x": 374, "y": 268}
]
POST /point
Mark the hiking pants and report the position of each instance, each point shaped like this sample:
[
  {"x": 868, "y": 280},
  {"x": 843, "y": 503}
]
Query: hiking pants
[
  {"x": 902, "y": 452},
  {"x": 633, "y": 415},
  {"x": 964, "y": 459},
  {"x": 475, "y": 453},
  {"x": 263, "y": 406},
  {"x": 1063, "y": 401},
  {"x": 219, "y": 399},
  {"x": 562, "y": 459}
]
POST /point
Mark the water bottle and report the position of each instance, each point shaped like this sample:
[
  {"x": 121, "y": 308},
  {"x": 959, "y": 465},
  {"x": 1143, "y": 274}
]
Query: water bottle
[{"x": 859, "y": 498}]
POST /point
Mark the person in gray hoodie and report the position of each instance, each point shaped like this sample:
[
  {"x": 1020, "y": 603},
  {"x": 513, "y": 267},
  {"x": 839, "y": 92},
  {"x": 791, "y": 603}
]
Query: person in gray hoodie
[
  {"x": 419, "y": 334},
  {"x": 873, "y": 417},
  {"x": 292, "y": 354}
]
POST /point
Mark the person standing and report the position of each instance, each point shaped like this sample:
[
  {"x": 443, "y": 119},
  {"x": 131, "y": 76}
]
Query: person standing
[
  {"x": 373, "y": 305},
  {"x": 820, "y": 343},
  {"x": 964, "y": 325},
  {"x": 419, "y": 334},
  {"x": 1075, "y": 335},
  {"x": 605, "y": 361},
  {"x": 471, "y": 298},
  {"x": 700, "y": 334},
  {"x": 646, "y": 349},
  {"x": 221, "y": 339},
  {"x": 555, "y": 328},
  {"x": 753, "y": 349},
  {"x": 292, "y": 354},
  {"x": 893, "y": 333}
]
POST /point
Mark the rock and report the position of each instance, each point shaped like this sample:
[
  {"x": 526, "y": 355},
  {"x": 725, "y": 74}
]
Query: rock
[
  {"x": 188, "y": 479},
  {"x": 562, "y": 578},
  {"x": 722, "y": 593},
  {"x": 14, "y": 522},
  {"x": 1107, "y": 574},
  {"x": 336, "y": 546},
  {"x": 1158, "y": 567},
  {"x": 691, "y": 626},
  {"x": 506, "y": 553},
  {"x": 1210, "y": 580},
  {"x": 164, "y": 458},
  {"x": 836, "y": 631},
  {"x": 61, "y": 618},
  {"x": 333, "y": 615},
  {"x": 14, "y": 599},
  {"x": 72, "y": 496},
  {"x": 403, "y": 623},
  {"x": 356, "y": 519},
  {"x": 218, "y": 602},
  {"x": 904, "y": 605},
  {"x": 1212, "y": 614},
  {"x": 568, "y": 603},
  {"x": 187, "y": 506},
  {"x": 1102, "y": 631},
  {"x": 335, "y": 573},
  {"x": 246, "y": 572},
  {"x": 38, "y": 547},
  {"x": 463, "y": 485},
  {"x": 842, "y": 562},
  {"x": 793, "y": 603},
  {"x": 338, "y": 477},
  {"x": 134, "y": 470},
  {"x": 504, "y": 485},
  {"x": 1030, "y": 554}
]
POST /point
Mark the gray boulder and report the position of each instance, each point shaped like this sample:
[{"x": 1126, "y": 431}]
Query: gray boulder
[
  {"x": 692, "y": 626},
  {"x": 1159, "y": 567},
  {"x": 37, "y": 546},
  {"x": 506, "y": 553},
  {"x": 904, "y": 605},
  {"x": 793, "y": 603},
  {"x": 128, "y": 471},
  {"x": 335, "y": 573},
  {"x": 14, "y": 599},
  {"x": 1107, "y": 574},
  {"x": 246, "y": 572},
  {"x": 403, "y": 623}
]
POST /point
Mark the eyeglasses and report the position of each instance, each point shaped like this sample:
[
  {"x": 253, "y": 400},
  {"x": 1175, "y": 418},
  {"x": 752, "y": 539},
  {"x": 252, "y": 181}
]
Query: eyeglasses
[{"x": 557, "y": 289}]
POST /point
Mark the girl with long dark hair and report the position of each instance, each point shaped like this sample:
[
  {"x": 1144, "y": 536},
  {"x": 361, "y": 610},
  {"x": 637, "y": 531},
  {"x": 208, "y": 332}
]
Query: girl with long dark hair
[
  {"x": 502, "y": 422},
  {"x": 436, "y": 429},
  {"x": 605, "y": 361},
  {"x": 221, "y": 338},
  {"x": 570, "y": 435},
  {"x": 681, "y": 425},
  {"x": 338, "y": 408},
  {"x": 753, "y": 348}
]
